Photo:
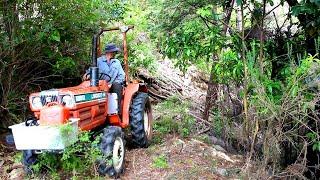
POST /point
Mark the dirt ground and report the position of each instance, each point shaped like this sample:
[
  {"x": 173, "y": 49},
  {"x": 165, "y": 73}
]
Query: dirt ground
[
  {"x": 186, "y": 159},
  {"x": 7, "y": 154},
  {"x": 174, "y": 159}
]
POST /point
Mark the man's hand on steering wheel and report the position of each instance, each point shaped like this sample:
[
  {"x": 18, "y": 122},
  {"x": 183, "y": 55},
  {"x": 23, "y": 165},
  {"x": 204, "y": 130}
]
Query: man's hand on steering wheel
[
  {"x": 86, "y": 77},
  {"x": 102, "y": 76}
]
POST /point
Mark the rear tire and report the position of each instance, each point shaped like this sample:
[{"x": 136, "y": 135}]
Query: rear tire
[
  {"x": 112, "y": 146},
  {"x": 141, "y": 120}
]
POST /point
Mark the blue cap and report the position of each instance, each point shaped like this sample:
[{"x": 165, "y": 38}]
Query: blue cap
[{"x": 111, "y": 48}]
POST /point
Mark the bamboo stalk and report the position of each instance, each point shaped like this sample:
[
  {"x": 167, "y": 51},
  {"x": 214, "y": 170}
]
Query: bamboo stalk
[{"x": 245, "y": 101}]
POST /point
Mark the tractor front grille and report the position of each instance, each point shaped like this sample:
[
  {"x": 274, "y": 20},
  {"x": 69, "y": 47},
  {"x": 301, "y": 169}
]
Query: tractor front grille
[{"x": 49, "y": 96}]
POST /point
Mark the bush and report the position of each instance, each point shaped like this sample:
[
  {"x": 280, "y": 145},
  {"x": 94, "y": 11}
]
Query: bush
[
  {"x": 78, "y": 158},
  {"x": 46, "y": 49},
  {"x": 283, "y": 116}
]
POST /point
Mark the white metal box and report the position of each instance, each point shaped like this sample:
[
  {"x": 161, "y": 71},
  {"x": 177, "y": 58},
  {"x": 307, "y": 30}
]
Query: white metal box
[{"x": 45, "y": 137}]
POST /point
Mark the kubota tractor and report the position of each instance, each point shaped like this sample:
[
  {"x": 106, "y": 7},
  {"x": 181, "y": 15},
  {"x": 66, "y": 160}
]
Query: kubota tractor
[{"x": 88, "y": 107}]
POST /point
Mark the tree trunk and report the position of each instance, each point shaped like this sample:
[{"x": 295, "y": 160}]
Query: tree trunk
[
  {"x": 245, "y": 63},
  {"x": 212, "y": 91},
  {"x": 211, "y": 94},
  {"x": 228, "y": 10},
  {"x": 261, "y": 54}
]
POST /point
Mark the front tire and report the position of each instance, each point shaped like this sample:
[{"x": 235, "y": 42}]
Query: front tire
[
  {"x": 112, "y": 146},
  {"x": 29, "y": 158},
  {"x": 141, "y": 120}
]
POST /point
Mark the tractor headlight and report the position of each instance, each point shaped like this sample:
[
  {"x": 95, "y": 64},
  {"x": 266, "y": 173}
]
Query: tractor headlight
[
  {"x": 36, "y": 103},
  {"x": 68, "y": 101}
]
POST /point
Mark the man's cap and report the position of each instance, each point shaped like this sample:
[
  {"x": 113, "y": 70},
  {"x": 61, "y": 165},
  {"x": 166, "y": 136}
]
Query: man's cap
[{"x": 111, "y": 48}]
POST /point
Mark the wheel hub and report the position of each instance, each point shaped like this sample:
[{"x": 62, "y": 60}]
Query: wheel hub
[
  {"x": 118, "y": 154},
  {"x": 146, "y": 123}
]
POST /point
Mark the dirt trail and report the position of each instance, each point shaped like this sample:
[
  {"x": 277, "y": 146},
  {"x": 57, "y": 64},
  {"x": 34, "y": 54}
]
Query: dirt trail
[{"x": 184, "y": 159}]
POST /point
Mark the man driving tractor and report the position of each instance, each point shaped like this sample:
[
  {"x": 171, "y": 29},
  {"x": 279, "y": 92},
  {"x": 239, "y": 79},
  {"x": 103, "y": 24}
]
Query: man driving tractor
[
  {"x": 90, "y": 106},
  {"x": 110, "y": 69}
]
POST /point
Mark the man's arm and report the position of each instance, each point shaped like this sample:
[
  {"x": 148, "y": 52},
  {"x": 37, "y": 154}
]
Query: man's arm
[
  {"x": 117, "y": 73},
  {"x": 87, "y": 74},
  {"x": 121, "y": 74}
]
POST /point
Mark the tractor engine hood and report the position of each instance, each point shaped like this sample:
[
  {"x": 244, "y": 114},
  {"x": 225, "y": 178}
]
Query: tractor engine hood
[{"x": 70, "y": 98}]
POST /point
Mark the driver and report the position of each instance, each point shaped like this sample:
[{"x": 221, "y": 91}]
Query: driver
[{"x": 110, "y": 69}]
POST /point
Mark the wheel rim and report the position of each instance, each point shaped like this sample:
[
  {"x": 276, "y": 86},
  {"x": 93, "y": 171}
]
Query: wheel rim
[
  {"x": 146, "y": 123},
  {"x": 118, "y": 154}
]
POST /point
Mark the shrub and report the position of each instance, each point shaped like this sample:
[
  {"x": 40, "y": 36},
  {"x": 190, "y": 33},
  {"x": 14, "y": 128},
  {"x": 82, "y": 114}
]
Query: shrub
[
  {"x": 282, "y": 120},
  {"x": 78, "y": 158}
]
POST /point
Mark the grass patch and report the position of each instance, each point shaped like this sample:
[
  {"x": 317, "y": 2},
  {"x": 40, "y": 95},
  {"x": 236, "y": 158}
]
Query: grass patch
[
  {"x": 151, "y": 150},
  {"x": 173, "y": 118},
  {"x": 160, "y": 162},
  {"x": 17, "y": 157},
  {"x": 204, "y": 138}
]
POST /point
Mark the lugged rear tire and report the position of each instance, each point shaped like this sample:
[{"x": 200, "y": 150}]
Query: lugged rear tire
[
  {"x": 141, "y": 120},
  {"x": 112, "y": 145}
]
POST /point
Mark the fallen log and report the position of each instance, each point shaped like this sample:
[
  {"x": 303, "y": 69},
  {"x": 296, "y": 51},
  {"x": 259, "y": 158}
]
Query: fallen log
[
  {"x": 159, "y": 88},
  {"x": 157, "y": 95}
]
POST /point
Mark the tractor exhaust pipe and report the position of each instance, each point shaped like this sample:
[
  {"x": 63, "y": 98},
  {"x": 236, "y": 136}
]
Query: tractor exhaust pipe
[{"x": 94, "y": 70}]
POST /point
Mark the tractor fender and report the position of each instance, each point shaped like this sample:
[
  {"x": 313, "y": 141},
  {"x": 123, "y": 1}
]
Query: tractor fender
[{"x": 129, "y": 93}]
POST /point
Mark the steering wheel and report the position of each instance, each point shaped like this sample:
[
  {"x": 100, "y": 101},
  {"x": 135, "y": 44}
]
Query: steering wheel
[{"x": 102, "y": 76}]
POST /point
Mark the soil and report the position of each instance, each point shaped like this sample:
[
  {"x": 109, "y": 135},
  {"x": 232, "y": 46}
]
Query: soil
[
  {"x": 186, "y": 159},
  {"x": 7, "y": 153}
]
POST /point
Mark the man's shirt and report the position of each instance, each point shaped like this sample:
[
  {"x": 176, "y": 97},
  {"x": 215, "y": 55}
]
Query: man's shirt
[{"x": 112, "y": 68}]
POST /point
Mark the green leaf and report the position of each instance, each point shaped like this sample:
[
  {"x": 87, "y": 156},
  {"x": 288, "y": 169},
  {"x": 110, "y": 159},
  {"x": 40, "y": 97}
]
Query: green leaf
[
  {"x": 294, "y": 90},
  {"x": 311, "y": 135},
  {"x": 271, "y": 3},
  {"x": 205, "y": 11},
  {"x": 55, "y": 36},
  {"x": 188, "y": 52},
  {"x": 316, "y": 146}
]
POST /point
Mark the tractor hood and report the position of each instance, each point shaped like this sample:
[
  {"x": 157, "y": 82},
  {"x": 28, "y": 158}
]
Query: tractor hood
[{"x": 70, "y": 98}]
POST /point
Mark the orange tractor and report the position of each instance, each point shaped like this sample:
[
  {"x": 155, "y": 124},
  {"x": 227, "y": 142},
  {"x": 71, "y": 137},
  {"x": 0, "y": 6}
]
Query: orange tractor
[{"x": 88, "y": 107}]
